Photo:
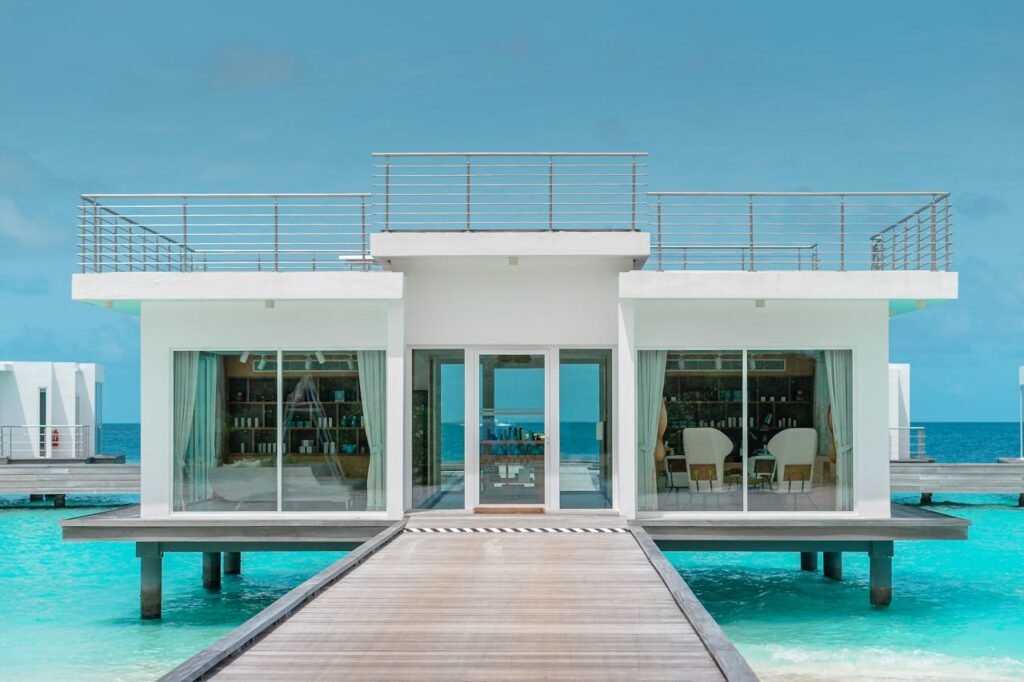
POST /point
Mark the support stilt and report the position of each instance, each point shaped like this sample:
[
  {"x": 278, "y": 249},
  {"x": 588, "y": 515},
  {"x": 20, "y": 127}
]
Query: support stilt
[
  {"x": 1020, "y": 500},
  {"x": 150, "y": 594},
  {"x": 232, "y": 563},
  {"x": 211, "y": 570},
  {"x": 926, "y": 498},
  {"x": 881, "y": 573},
  {"x": 34, "y": 497},
  {"x": 808, "y": 561},
  {"x": 833, "y": 565},
  {"x": 59, "y": 501}
]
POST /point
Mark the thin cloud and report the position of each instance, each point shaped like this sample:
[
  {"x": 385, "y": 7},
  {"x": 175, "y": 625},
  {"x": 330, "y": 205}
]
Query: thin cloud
[
  {"x": 237, "y": 68},
  {"x": 25, "y": 286}
]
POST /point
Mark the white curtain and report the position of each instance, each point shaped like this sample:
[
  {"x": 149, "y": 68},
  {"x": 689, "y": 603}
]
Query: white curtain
[
  {"x": 821, "y": 403},
  {"x": 373, "y": 387},
  {"x": 650, "y": 384},
  {"x": 839, "y": 365},
  {"x": 186, "y": 375},
  {"x": 207, "y": 428}
]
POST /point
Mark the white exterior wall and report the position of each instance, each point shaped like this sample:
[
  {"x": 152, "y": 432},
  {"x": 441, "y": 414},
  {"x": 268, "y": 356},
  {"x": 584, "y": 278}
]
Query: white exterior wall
[
  {"x": 19, "y": 404},
  {"x": 899, "y": 410},
  {"x": 250, "y": 325},
  {"x": 861, "y": 326}
]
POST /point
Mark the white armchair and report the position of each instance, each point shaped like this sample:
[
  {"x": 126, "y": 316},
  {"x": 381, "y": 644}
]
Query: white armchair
[
  {"x": 706, "y": 450},
  {"x": 794, "y": 451}
]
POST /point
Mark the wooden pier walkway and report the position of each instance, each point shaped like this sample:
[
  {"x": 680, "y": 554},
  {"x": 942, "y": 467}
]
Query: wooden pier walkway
[
  {"x": 1005, "y": 476},
  {"x": 472, "y": 597},
  {"x": 67, "y": 477}
]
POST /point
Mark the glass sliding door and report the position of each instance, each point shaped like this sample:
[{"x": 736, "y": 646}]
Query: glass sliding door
[
  {"x": 512, "y": 401},
  {"x": 584, "y": 433},
  {"x": 438, "y": 429},
  {"x": 782, "y": 440},
  {"x": 800, "y": 442}
]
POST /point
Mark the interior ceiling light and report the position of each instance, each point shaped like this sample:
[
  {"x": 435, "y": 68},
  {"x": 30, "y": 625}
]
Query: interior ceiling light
[
  {"x": 262, "y": 364},
  {"x": 320, "y": 357},
  {"x": 309, "y": 362},
  {"x": 244, "y": 357}
]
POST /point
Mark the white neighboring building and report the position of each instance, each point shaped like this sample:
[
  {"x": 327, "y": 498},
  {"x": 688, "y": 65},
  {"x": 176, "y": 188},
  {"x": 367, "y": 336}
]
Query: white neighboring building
[{"x": 50, "y": 410}]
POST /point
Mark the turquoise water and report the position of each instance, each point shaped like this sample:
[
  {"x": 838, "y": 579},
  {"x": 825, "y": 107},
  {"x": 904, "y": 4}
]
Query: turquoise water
[{"x": 70, "y": 610}]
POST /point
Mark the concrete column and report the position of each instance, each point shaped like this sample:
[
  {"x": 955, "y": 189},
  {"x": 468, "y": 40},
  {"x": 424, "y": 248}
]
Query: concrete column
[
  {"x": 59, "y": 501},
  {"x": 926, "y": 498},
  {"x": 808, "y": 561},
  {"x": 232, "y": 563},
  {"x": 211, "y": 570},
  {"x": 1020, "y": 500},
  {"x": 624, "y": 405},
  {"x": 151, "y": 592},
  {"x": 833, "y": 565},
  {"x": 881, "y": 573},
  {"x": 396, "y": 480}
]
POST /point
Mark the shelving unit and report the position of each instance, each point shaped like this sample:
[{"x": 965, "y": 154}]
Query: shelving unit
[
  {"x": 329, "y": 412},
  {"x": 777, "y": 400}
]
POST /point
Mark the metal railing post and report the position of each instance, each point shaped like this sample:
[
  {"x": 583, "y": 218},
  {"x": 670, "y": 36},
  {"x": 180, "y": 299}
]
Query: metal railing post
[
  {"x": 934, "y": 240},
  {"x": 81, "y": 251},
  {"x": 131, "y": 249},
  {"x": 184, "y": 233},
  {"x": 117, "y": 238},
  {"x": 750, "y": 221},
  {"x": 387, "y": 194},
  {"x": 551, "y": 194},
  {"x": 661, "y": 243},
  {"x": 918, "y": 242},
  {"x": 468, "y": 228},
  {"x": 945, "y": 223},
  {"x": 633, "y": 213},
  {"x": 362, "y": 234},
  {"x": 277, "y": 237},
  {"x": 95, "y": 238},
  {"x": 842, "y": 236}
]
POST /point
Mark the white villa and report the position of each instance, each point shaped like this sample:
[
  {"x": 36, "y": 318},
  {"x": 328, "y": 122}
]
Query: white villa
[
  {"x": 516, "y": 330},
  {"x": 50, "y": 410}
]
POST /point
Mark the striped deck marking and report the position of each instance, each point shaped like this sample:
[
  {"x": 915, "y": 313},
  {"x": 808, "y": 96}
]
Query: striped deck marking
[{"x": 490, "y": 601}]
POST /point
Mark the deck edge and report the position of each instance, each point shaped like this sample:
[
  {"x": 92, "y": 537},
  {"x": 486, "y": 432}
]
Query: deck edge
[
  {"x": 212, "y": 658},
  {"x": 725, "y": 654}
]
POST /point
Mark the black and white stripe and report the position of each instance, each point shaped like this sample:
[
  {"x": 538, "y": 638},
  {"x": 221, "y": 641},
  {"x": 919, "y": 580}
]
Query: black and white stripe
[{"x": 515, "y": 530}]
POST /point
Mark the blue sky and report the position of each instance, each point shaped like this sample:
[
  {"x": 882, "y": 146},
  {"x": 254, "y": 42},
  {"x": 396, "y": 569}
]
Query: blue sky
[{"x": 205, "y": 97}]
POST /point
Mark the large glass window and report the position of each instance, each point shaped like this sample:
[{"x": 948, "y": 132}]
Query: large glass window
[
  {"x": 794, "y": 413},
  {"x": 438, "y": 429},
  {"x": 271, "y": 431},
  {"x": 584, "y": 433}
]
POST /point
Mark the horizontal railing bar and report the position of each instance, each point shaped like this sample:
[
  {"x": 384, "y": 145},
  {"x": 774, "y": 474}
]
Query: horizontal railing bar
[
  {"x": 264, "y": 195},
  {"x": 799, "y": 194},
  {"x": 399, "y": 155}
]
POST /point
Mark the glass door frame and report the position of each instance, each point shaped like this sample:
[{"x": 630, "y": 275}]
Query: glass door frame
[{"x": 472, "y": 420}]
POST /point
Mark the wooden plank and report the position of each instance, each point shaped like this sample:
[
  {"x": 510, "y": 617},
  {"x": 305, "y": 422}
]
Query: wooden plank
[
  {"x": 495, "y": 605},
  {"x": 236, "y": 641},
  {"x": 922, "y": 477},
  {"x": 733, "y": 666},
  {"x": 34, "y": 478}
]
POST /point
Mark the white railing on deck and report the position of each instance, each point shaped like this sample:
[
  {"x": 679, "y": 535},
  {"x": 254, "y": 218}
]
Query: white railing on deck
[
  {"x": 504, "y": 191},
  {"x": 800, "y": 231},
  {"x": 907, "y": 442},
  {"x": 223, "y": 232},
  {"x": 57, "y": 441}
]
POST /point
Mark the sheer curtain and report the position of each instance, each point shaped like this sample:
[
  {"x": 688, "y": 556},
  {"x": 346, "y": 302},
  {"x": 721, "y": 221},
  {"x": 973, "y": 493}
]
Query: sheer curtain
[
  {"x": 186, "y": 376},
  {"x": 373, "y": 387},
  {"x": 839, "y": 365},
  {"x": 207, "y": 428},
  {"x": 650, "y": 384},
  {"x": 821, "y": 403}
]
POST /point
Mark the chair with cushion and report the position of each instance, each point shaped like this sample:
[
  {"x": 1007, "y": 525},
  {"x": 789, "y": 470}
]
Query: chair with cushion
[
  {"x": 794, "y": 451},
  {"x": 706, "y": 450}
]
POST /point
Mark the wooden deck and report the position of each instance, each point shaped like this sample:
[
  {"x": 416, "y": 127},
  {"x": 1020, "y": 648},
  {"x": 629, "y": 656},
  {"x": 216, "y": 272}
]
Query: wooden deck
[
  {"x": 1005, "y": 476},
  {"x": 51, "y": 477},
  {"x": 464, "y": 597}
]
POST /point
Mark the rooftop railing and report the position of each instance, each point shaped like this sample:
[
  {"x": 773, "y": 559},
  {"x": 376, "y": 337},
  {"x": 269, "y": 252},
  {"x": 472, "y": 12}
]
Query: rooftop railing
[
  {"x": 521, "y": 191},
  {"x": 223, "y": 232},
  {"x": 800, "y": 231}
]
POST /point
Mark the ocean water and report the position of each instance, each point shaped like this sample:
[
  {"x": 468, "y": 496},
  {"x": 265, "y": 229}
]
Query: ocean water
[{"x": 70, "y": 610}]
